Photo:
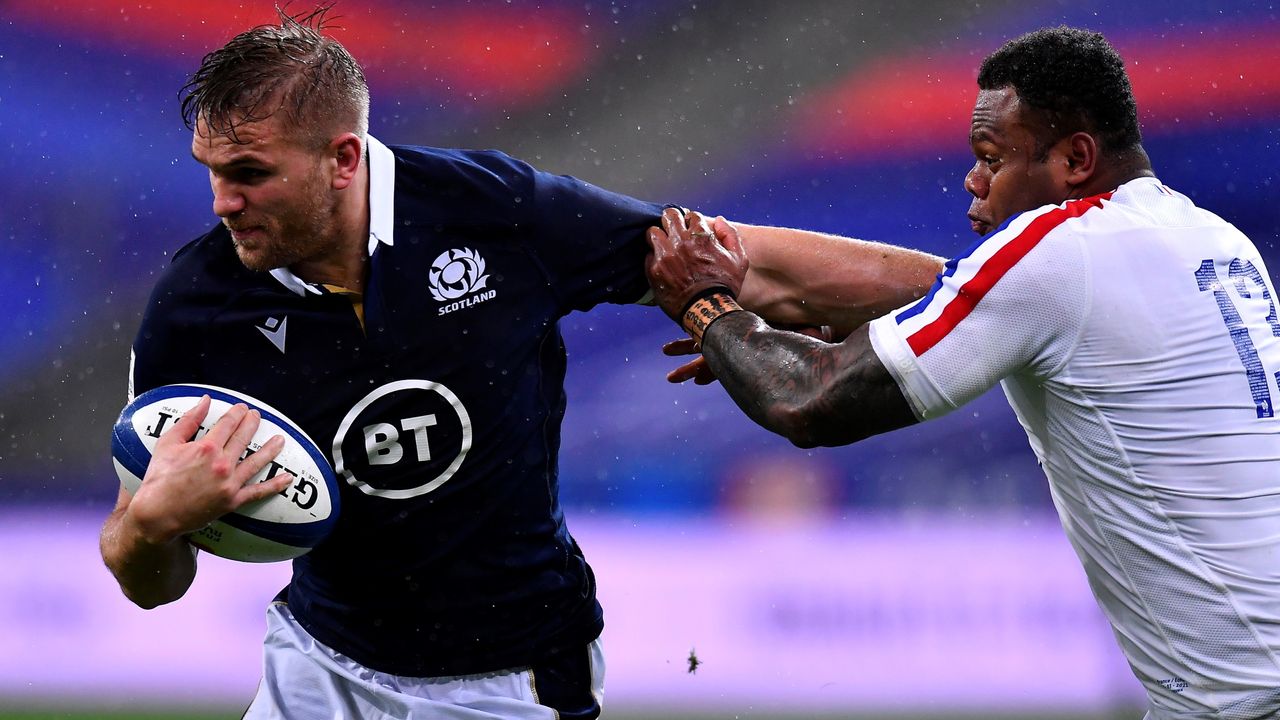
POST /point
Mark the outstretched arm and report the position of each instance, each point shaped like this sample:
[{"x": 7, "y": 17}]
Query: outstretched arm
[
  {"x": 804, "y": 279},
  {"x": 812, "y": 392},
  {"x": 799, "y": 277}
]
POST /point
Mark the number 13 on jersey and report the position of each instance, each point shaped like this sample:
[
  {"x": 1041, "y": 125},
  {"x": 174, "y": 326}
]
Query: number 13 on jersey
[{"x": 1251, "y": 287}]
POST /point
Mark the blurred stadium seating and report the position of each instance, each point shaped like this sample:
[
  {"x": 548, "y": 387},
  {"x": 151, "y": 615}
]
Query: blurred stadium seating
[{"x": 838, "y": 115}]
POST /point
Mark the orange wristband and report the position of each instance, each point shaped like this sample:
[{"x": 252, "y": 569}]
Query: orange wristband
[{"x": 706, "y": 309}]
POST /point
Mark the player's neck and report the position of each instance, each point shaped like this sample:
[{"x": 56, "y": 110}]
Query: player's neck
[
  {"x": 345, "y": 264},
  {"x": 344, "y": 267},
  {"x": 1120, "y": 169}
]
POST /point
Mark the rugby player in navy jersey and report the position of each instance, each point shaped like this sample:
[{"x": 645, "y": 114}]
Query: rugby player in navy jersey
[
  {"x": 1134, "y": 334},
  {"x": 400, "y": 304}
]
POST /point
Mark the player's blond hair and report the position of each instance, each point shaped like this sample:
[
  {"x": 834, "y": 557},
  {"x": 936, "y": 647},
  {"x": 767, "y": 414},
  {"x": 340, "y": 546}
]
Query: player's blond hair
[{"x": 291, "y": 67}]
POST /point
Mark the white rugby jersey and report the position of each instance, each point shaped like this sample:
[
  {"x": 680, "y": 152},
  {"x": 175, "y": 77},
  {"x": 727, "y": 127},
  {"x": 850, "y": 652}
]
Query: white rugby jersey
[{"x": 1137, "y": 339}]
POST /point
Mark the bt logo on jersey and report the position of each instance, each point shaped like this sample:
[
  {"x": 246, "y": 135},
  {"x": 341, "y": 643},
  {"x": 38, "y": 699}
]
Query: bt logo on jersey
[
  {"x": 404, "y": 439},
  {"x": 382, "y": 440}
]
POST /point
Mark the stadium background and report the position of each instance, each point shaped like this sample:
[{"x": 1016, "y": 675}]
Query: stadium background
[{"x": 919, "y": 574}]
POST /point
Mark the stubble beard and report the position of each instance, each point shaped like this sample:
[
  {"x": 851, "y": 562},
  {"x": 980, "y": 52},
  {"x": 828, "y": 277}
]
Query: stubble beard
[{"x": 295, "y": 236}]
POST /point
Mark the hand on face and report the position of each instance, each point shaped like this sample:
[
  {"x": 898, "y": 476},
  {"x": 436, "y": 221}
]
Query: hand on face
[
  {"x": 690, "y": 258},
  {"x": 191, "y": 483}
]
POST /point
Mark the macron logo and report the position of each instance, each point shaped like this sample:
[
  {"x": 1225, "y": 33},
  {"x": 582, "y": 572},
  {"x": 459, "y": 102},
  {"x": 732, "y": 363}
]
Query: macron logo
[{"x": 274, "y": 330}]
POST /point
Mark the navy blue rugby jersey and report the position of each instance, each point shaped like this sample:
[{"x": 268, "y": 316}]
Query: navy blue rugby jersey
[{"x": 441, "y": 414}]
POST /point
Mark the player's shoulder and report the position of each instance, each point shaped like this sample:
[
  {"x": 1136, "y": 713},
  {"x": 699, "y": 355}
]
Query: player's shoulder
[
  {"x": 206, "y": 267},
  {"x": 1070, "y": 222},
  {"x": 454, "y": 164},
  {"x": 1147, "y": 201},
  {"x": 188, "y": 292},
  {"x": 205, "y": 249},
  {"x": 1032, "y": 245},
  {"x": 451, "y": 187}
]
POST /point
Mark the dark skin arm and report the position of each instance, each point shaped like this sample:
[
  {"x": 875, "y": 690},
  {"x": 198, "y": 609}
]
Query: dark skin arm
[
  {"x": 811, "y": 392},
  {"x": 822, "y": 285}
]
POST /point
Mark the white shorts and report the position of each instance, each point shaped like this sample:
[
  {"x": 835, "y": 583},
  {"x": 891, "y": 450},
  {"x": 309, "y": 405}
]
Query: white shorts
[{"x": 305, "y": 680}]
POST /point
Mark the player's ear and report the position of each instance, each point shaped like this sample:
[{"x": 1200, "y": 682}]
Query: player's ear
[
  {"x": 1079, "y": 157},
  {"x": 346, "y": 150}
]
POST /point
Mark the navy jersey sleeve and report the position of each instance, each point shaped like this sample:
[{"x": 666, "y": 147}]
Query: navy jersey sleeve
[{"x": 590, "y": 240}]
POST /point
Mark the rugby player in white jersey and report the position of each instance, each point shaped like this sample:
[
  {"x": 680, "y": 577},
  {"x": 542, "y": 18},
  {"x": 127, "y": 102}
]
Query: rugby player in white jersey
[{"x": 1135, "y": 335}]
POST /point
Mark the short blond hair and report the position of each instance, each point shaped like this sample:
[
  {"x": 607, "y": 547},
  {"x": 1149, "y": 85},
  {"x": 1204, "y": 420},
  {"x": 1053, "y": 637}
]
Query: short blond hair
[{"x": 292, "y": 67}]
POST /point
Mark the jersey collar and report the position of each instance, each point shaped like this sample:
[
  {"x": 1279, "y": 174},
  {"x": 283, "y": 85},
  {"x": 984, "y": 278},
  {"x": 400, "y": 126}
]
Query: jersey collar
[{"x": 382, "y": 194}]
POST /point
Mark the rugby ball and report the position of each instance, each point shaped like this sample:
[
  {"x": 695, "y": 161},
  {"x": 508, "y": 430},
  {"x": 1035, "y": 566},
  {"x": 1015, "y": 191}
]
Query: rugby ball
[{"x": 281, "y": 527}]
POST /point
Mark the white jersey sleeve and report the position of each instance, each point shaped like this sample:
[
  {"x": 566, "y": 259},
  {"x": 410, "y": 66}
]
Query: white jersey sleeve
[{"x": 1012, "y": 305}]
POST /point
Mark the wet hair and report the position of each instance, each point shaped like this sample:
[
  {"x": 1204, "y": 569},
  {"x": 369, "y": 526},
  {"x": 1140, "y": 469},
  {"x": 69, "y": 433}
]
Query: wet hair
[
  {"x": 1073, "y": 80},
  {"x": 290, "y": 67}
]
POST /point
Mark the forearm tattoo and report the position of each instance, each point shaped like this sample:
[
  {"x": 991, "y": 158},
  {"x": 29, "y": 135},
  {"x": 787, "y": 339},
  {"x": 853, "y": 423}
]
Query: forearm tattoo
[{"x": 812, "y": 392}]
